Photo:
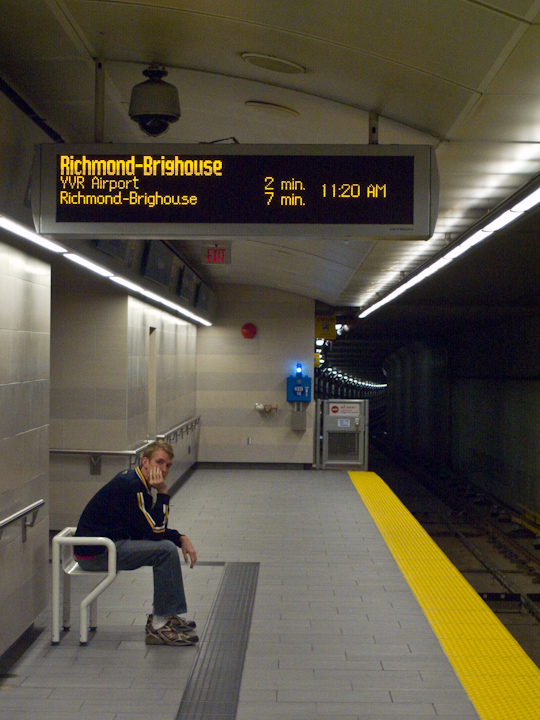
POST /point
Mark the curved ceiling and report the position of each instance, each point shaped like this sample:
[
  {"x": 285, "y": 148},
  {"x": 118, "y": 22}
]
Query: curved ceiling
[{"x": 461, "y": 75}]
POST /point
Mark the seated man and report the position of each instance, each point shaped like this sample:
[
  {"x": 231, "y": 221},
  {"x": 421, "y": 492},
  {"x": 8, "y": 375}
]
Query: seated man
[{"x": 132, "y": 510}]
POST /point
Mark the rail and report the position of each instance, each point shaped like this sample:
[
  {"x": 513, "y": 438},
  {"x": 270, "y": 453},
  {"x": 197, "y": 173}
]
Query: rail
[
  {"x": 22, "y": 515},
  {"x": 134, "y": 455},
  {"x": 179, "y": 430}
]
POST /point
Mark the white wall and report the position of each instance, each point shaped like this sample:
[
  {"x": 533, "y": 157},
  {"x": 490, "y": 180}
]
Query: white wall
[
  {"x": 24, "y": 388},
  {"x": 24, "y": 398},
  {"x": 234, "y": 373},
  {"x": 100, "y": 386}
]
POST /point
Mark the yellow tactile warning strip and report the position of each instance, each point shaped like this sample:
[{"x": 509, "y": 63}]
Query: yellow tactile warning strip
[{"x": 501, "y": 680}]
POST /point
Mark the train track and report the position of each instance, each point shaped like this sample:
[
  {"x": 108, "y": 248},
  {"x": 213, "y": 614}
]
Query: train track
[{"x": 481, "y": 536}]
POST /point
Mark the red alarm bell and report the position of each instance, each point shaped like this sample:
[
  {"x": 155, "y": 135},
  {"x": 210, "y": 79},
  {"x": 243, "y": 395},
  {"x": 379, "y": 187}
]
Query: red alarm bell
[{"x": 249, "y": 331}]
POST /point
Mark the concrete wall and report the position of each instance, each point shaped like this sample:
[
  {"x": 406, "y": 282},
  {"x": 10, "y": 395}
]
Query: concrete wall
[
  {"x": 496, "y": 409},
  {"x": 234, "y": 373},
  {"x": 24, "y": 397},
  {"x": 417, "y": 415},
  {"x": 122, "y": 371}
]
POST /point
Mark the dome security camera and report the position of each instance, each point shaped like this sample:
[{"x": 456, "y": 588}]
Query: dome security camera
[{"x": 154, "y": 103}]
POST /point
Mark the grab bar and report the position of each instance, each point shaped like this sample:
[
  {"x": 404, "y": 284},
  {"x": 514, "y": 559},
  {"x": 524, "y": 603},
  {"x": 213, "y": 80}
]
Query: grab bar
[
  {"x": 22, "y": 515},
  {"x": 134, "y": 456}
]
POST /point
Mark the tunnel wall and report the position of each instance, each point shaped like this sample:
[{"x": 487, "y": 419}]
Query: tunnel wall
[
  {"x": 473, "y": 407},
  {"x": 496, "y": 409},
  {"x": 418, "y": 402}
]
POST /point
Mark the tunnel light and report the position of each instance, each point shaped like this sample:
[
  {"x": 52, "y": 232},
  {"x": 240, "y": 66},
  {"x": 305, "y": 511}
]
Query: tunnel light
[
  {"x": 527, "y": 203},
  {"x": 502, "y": 221},
  {"x": 479, "y": 236}
]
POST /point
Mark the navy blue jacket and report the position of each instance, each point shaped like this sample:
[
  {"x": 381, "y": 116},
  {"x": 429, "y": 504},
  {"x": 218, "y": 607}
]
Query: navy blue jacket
[{"x": 124, "y": 509}]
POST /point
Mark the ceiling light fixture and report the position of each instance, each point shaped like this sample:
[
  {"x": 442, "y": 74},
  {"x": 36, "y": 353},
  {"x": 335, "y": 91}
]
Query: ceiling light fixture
[
  {"x": 23, "y": 232},
  {"x": 269, "y": 62},
  {"x": 173, "y": 306},
  {"x": 127, "y": 284},
  {"x": 88, "y": 265},
  {"x": 522, "y": 202}
]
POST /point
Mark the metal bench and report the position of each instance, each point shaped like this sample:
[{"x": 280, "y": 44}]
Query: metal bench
[{"x": 64, "y": 559}]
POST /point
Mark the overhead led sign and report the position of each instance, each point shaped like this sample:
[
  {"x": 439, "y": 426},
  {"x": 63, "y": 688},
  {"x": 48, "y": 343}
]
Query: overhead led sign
[{"x": 235, "y": 190}]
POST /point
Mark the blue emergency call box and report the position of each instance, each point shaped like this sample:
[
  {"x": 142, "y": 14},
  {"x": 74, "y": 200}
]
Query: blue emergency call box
[{"x": 299, "y": 388}]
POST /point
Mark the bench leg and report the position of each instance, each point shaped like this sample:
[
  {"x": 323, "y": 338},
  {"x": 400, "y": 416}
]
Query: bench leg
[
  {"x": 66, "y": 603},
  {"x": 93, "y": 615},
  {"x": 83, "y": 630},
  {"x": 55, "y": 634}
]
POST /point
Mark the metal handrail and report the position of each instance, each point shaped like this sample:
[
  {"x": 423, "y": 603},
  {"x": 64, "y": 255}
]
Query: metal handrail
[
  {"x": 186, "y": 426},
  {"x": 122, "y": 453},
  {"x": 21, "y": 515},
  {"x": 173, "y": 433}
]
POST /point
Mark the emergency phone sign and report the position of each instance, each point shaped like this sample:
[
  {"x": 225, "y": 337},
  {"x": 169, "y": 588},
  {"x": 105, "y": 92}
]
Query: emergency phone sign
[{"x": 299, "y": 389}]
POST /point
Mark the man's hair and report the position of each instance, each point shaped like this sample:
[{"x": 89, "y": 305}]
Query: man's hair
[{"x": 158, "y": 445}]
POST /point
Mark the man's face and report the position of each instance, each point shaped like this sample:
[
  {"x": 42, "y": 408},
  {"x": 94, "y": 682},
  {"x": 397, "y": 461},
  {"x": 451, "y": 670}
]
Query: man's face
[{"x": 160, "y": 459}]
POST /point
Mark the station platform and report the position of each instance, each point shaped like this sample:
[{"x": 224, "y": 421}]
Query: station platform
[{"x": 316, "y": 594}]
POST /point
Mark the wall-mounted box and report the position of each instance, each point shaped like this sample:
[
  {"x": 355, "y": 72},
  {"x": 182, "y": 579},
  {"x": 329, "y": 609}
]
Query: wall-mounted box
[{"x": 298, "y": 420}]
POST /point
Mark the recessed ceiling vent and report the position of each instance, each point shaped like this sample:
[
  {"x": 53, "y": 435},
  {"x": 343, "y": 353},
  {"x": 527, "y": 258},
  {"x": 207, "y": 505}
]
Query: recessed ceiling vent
[{"x": 268, "y": 62}]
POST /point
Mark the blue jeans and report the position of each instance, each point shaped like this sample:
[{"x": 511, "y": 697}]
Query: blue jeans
[{"x": 162, "y": 556}]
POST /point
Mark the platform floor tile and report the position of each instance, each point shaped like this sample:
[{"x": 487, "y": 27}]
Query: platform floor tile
[{"x": 335, "y": 632}]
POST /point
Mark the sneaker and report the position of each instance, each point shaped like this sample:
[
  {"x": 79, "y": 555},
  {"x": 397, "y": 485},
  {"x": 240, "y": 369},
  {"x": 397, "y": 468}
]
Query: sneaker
[
  {"x": 178, "y": 623},
  {"x": 182, "y": 624},
  {"x": 167, "y": 635}
]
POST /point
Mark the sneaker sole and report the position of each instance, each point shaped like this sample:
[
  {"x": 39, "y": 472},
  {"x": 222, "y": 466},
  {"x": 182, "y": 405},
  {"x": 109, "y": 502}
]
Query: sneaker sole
[{"x": 153, "y": 640}]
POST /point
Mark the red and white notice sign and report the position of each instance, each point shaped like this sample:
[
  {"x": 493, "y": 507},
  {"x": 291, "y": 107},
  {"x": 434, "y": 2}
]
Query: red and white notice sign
[{"x": 344, "y": 409}]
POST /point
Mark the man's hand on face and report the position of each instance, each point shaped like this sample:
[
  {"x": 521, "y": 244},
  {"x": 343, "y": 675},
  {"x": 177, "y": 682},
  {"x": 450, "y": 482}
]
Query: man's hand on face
[
  {"x": 156, "y": 479},
  {"x": 156, "y": 470}
]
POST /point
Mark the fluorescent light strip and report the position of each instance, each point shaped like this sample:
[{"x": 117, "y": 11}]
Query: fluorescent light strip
[
  {"x": 17, "y": 229},
  {"x": 156, "y": 298},
  {"x": 127, "y": 284},
  {"x": 88, "y": 265},
  {"x": 501, "y": 221},
  {"x": 21, "y": 231},
  {"x": 175, "y": 307}
]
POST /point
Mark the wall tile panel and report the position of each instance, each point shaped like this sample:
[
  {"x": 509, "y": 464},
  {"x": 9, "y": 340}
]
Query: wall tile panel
[
  {"x": 234, "y": 373},
  {"x": 24, "y": 398}
]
